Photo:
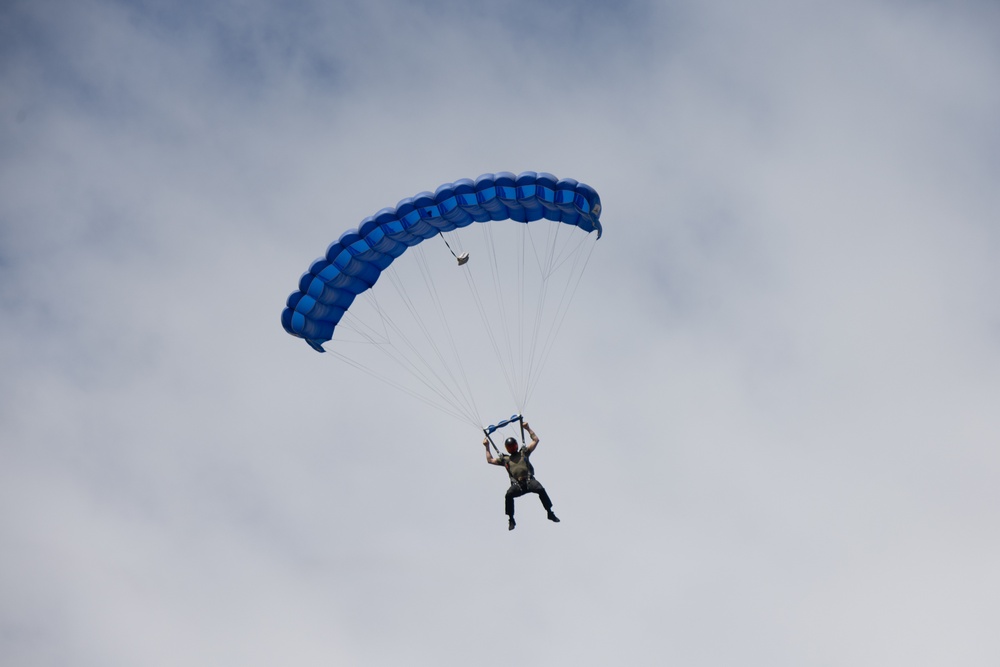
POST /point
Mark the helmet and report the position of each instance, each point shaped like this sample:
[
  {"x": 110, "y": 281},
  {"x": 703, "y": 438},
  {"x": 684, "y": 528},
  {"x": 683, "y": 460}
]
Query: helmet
[{"x": 510, "y": 444}]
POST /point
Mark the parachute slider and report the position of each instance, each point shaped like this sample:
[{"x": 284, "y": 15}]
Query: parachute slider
[
  {"x": 493, "y": 427},
  {"x": 462, "y": 259}
]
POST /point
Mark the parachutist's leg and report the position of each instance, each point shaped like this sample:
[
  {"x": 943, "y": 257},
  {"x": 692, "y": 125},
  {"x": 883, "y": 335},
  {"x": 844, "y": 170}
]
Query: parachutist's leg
[
  {"x": 515, "y": 491},
  {"x": 534, "y": 486}
]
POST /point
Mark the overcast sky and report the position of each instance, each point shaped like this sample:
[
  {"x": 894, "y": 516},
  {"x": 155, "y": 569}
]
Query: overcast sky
[{"x": 773, "y": 436}]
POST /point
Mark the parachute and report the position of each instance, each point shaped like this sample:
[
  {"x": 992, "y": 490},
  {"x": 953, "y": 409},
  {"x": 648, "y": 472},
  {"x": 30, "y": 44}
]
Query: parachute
[{"x": 328, "y": 297}]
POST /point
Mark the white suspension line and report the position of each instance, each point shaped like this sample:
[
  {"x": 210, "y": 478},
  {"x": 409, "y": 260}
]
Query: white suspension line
[
  {"x": 427, "y": 376},
  {"x": 406, "y": 390},
  {"x": 484, "y": 317},
  {"x": 506, "y": 361},
  {"x": 563, "y": 309},
  {"x": 426, "y": 372},
  {"x": 443, "y": 319},
  {"x": 420, "y": 260}
]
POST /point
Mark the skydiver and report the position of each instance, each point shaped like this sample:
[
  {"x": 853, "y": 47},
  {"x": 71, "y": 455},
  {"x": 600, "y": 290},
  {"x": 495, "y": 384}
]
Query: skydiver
[{"x": 522, "y": 474}]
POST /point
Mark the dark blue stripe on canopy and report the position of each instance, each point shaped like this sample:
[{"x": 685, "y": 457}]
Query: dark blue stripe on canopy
[{"x": 354, "y": 262}]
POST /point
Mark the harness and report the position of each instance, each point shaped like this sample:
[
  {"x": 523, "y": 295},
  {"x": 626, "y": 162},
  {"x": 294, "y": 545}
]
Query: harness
[
  {"x": 505, "y": 458},
  {"x": 492, "y": 428},
  {"x": 528, "y": 476}
]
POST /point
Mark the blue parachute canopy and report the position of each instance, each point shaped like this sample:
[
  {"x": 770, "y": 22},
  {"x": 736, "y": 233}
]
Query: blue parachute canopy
[{"x": 354, "y": 262}]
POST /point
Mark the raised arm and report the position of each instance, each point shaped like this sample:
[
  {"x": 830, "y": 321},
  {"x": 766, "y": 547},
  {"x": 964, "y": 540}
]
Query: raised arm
[
  {"x": 534, "y": 438},
  {"x": 489, "y": 455}
]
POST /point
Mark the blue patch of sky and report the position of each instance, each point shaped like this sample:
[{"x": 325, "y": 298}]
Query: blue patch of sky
[
  {"x": 704, "y": 257},
  {"x": 44, "y": 53},
  {"x": 249, "y": 46},
  {"x": 249, "y": 42},
  {"x": 242, "y": 46},
  {"x": 591, "y": 33}
]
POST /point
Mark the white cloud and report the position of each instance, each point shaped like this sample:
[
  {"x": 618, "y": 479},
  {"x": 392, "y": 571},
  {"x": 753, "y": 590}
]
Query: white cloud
[{"x": 770, "y": 436}]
